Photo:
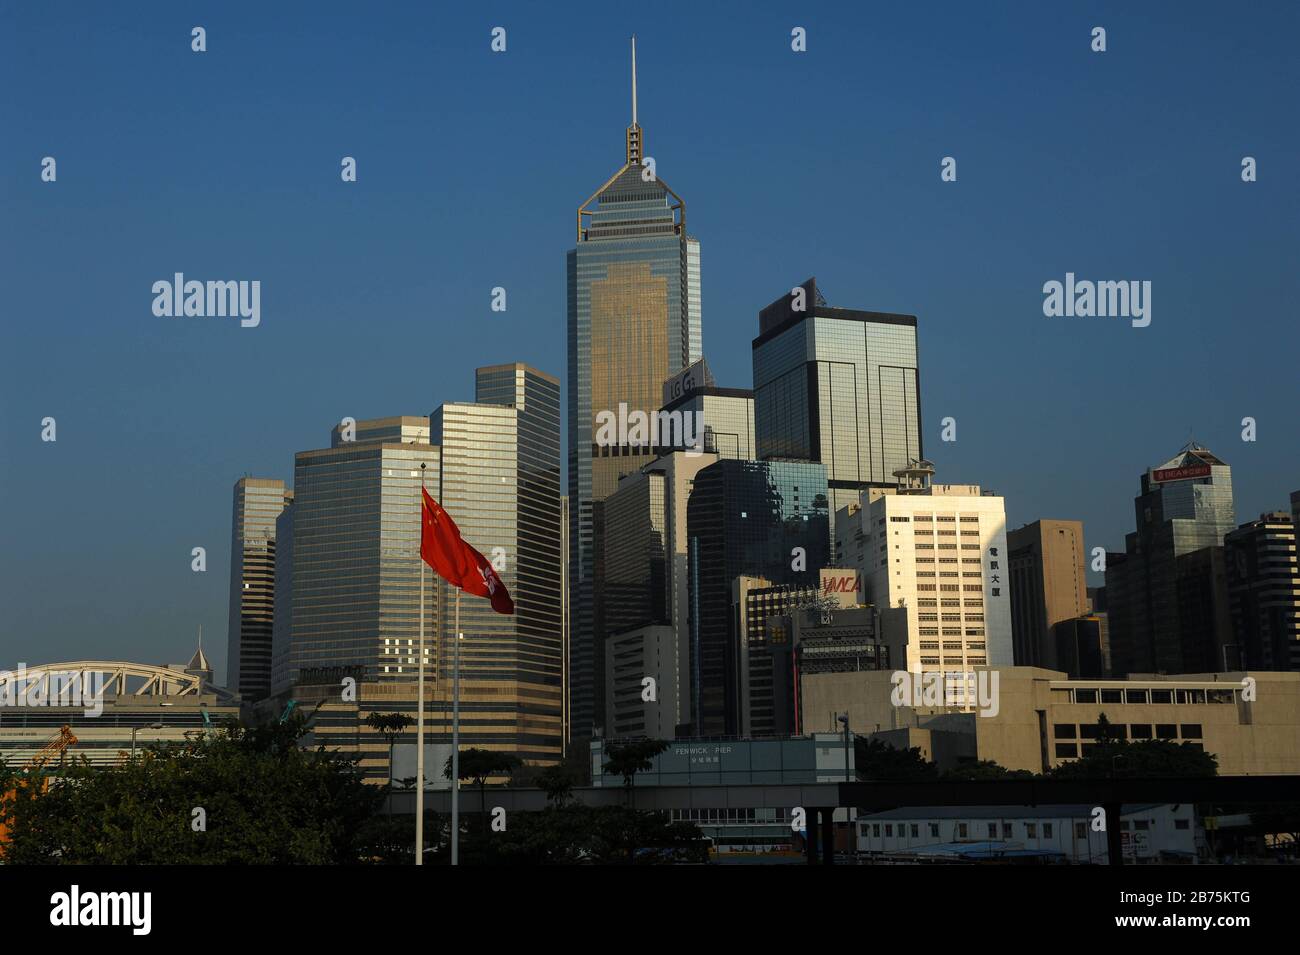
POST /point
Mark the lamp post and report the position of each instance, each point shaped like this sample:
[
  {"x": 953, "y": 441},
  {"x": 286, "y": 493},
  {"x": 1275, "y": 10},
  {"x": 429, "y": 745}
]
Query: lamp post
[{"x": 134, "y": 729}]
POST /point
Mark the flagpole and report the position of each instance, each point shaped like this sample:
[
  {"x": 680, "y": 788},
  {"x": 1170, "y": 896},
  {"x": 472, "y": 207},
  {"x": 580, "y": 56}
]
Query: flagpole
[
  {"x": 455, "y": 742},
  {"x": 419, "y": 724}
]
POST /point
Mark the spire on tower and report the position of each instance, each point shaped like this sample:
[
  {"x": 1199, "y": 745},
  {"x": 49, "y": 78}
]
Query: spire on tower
[{"x": 635, "y": 149}]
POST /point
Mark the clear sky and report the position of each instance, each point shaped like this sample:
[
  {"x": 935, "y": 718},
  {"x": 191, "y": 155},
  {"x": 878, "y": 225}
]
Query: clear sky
[{"x": 471, "y": 164}]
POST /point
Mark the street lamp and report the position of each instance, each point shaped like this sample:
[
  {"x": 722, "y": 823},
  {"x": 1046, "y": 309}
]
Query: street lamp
[
  {"x": 844, "y": 718},
  {"x": 134, "y": 729}
]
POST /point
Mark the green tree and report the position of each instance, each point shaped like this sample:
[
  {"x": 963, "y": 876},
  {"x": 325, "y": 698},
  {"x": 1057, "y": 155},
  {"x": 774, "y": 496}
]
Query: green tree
[
  {"x": 628, "y": 759},
  {"x": 480, "y": 764},
  {"x": 245, "y": 795},
  {"x": 558, "y": 784},
  {"x": 1113, "y": 757},
  {"x": 877, "y": 760},
  {"x": 983, "y": 769}
]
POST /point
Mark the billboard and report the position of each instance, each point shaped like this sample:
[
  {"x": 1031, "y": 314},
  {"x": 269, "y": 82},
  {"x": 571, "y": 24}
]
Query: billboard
[
  {"x": 693, "y": 376},
  {"x": 1165, "y": 475},
  {"x": 842, "y": 585}
]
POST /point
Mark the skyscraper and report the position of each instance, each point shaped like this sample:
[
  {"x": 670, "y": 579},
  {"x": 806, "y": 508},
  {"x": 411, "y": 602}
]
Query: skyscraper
[
  {"x": 745, "y": 518},
  {"x": 500, "y": 482},
  {"x": 257, "y": 504},
  {"x": 1166, "y": 595},
  {"x": 1264, "y": 593},
  {"x": 938, "y": 553},
  {"x": 356, "y": 555},
  {"x": 1048, "y": 585},
  {"x": 839, "y": 386},
  {"x": 633, "y": 320}
]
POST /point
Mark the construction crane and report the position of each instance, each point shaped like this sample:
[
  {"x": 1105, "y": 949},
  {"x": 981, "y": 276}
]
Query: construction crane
[{"x": 53, "y": 747}]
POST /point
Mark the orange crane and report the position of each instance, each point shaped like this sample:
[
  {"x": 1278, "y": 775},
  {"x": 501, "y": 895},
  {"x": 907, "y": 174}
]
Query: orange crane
[{"x": 54, "y": 747}]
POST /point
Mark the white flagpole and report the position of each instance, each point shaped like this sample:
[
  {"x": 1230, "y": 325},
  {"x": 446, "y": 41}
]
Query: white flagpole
[
  {"x": 419, "y": 724},
  {"x": 455, "y": 742}
]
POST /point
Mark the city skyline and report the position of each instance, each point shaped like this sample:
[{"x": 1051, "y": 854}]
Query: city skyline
[{"x": 154, "y": 418}]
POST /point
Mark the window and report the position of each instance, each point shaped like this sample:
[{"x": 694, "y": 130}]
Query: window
[
  {"x": 934, "y": 830},
  {"x": 961, "y": 826},
  {"x": 1007, "y": 830},
  {"x": 1112, "y": 696},
  {"x": 993, "y": 830},
  {"x": 1066, "y": 750},
  {"x": 916, "y": 830},
  {"x": 1135, "y": 696},
  {"x": 1140, "y": 730},
  {"x": 1065, "y": 731},
  {"x": 1047, "y": 830},
  {"x": 1081, "y": 830},
  {"x": 1031, "y": 830},
  {"x": 875, "y": 826},
  {"x": 1085, "y": 696},
  {"x": 889, "y": 830},
  {"x": 1191, "y": 730},
  {"x": 1166, "y": 731},
  {"x": 1142, "y": 825},
  {"x": 1162, "y": 696}
]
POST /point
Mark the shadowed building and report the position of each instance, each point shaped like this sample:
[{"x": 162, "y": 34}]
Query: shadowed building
[
  {"x": 1264, "y": 592},
  {"x": 839, "y": 386},
  {"x": 1166, "y": 595},
  {"x": 1048, "y": 586}
]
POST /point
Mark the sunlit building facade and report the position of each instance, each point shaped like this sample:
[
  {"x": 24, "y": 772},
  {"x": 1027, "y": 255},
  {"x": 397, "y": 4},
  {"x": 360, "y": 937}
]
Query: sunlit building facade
[
  {"x": 633, "y": 320},
  {"x": 500, "y": 482},
  {"x": 258, "y": 502}
]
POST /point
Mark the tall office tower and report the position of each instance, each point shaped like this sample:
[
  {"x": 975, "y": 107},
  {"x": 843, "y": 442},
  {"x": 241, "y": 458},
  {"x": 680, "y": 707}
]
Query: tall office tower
[
  {"x": 1295, "y": 508},
  {"x": 1167, "y": 608},
  {"x": 643, "y": 548},
  {"x": 282, "y": 674},
  {"x": 745, "y": 518},
  {"x": 706, "y": 417},
  {"x": 356, "y": 555},
  {"x": 1264, "y": 593},
  {"x": 500, "y": 482},
  {"x": 938, "y": 552},
  {"x": 839, "y": 386},
  {"x": 767, "y": 704},
  {"x": 633, "y": 320},
  {"x": 258, "y": 502},
  {"x": 1048, "y": 585}
]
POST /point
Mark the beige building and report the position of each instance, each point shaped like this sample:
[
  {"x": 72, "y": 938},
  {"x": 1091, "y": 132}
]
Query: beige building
[
  {"x": 1048, "y": 586},
  {"x": 937, "y": 552},
  {"x": 1039, "y": 719}
]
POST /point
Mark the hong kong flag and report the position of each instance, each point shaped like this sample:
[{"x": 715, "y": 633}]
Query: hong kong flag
[{"x": 457, "y": 562}]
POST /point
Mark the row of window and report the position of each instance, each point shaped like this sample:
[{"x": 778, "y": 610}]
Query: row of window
[{"x": 999, "y": 830}]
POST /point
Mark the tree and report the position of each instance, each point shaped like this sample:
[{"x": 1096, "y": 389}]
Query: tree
[
  {"x": 628, "y": 759},
  {"x": 241, "y": 796},
  {"x": 391, "y": 726},
  {"x": 983, "y": 769},
  {"x": 478, "y": 764},
  {"x": 558, "y": 784},
  {"x": 878, "y": 760},
  {"x": 1113, "y": 756}
]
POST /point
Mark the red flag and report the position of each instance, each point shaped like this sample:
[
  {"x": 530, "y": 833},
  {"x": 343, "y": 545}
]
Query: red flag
[{"x": 457, "y": 562}]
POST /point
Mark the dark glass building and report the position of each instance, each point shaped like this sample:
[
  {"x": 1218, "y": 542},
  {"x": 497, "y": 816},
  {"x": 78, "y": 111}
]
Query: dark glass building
[
  {"x": 839, "y": 386},
  {"x": 765, "y": 519}
]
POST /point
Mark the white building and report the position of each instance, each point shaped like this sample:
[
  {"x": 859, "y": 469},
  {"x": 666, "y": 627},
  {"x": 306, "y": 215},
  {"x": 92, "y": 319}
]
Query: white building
[
  {"x": 938, "y": 552},
  {"x": 1148, "y": 834}
]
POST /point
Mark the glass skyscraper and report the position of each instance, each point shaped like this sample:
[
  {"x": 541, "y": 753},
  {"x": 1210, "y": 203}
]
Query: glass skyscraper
[
  {"x": 356, "y": 555},
  {"x": 765, "y": 519},
  {"x": 258, "y": 502},
  {"x": 839, "y": 386},
  {"x": 633, "y": 320},
  {"x": 500, "y": 482}
]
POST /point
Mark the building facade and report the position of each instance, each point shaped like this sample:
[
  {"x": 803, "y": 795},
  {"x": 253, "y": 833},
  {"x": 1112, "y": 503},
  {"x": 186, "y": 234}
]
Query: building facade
[
  {"x": 500, "y": 480},
  {"x": 745, "y": 518},
  {"x": 1048, "y": 581},
  {"x": 1264, "y": 592},
  {"x": 937, "y": 552},
  {"x": 633, "y": 321},
  {"x": 258, "y": 502},
  {"x": 1166, "y": 595},
  {"x": 839, "y": 386}
]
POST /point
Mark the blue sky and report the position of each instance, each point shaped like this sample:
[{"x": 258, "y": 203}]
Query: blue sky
[{"x": 376, "y": 294}]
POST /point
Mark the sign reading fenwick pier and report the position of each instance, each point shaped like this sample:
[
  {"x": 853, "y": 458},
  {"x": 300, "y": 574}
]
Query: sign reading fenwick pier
[{"x": 1164, "y": 475}]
